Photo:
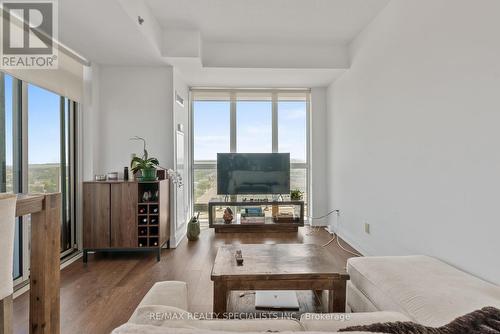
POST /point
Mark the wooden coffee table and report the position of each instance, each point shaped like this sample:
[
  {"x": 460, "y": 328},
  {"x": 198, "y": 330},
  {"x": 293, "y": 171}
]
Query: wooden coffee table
[{"x": 278, "y": 267}]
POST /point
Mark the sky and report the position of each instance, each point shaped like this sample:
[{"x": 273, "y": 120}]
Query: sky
[
  {"x": 254, "y": 128},
  {"x": 43, "y": 124}
]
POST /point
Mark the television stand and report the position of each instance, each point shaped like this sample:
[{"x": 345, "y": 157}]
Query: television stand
[{"x": 277, "y": 216}]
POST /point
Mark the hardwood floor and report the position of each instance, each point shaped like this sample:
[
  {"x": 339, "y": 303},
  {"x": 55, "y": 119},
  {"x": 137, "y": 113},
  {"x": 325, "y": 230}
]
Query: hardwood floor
[{"x": 100, "y": 296}]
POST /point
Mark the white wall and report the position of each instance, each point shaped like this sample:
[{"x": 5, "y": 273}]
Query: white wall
[
  {"x": 89, "y": 118},
  {"x": 126, "y": 101},
  {"x": 318, "y": 132},
  {"x": 135, "y": 101},
  {"x": 415, "y": 143}
]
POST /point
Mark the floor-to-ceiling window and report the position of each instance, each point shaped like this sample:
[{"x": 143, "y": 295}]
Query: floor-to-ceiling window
[
  {"x": 37, "y": 154},
  {"x": 211, "y": 135},
  {"x": 50, "y": 128},
  {"x": 247, "y": 121},
  {"x": 10, "y": 154},
  {"x": 254, "y": 122},
  {"x": 292, "y": 137}
]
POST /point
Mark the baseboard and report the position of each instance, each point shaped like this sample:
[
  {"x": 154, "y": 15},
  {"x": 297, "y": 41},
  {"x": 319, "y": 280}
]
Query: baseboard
[
  {"x": 347, "y": 237},
  {"x": 71, "y": 259},
  {"x": 179, "y": 236}
]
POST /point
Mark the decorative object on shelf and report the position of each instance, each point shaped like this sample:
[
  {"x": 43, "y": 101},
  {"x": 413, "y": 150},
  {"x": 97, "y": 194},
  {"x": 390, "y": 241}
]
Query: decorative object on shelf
[
  {"x": 193, "y": 228},
  {"x": 125, "y": 173},
  {"x": 146, "y": 196},
  {"x": 228, "y": 215},
  {"x": 173, "y": 175},
  {"x": 252, "y": 220},
  {"x": 100, "y": 177},
  {"x": 113, "y": 176},
  {"x": 239, "y": 257},
  {"x": 296, "y": 195},
  {"x": 154, "y": 195},
  {"x": 160, "y": 173},
  {"x": 147, "y": 166}
]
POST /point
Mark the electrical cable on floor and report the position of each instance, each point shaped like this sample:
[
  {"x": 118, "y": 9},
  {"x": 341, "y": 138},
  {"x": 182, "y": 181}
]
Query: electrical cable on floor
[
  {"x": 336, "y": 237},
  {"x": 325, "y": 215},
  {"x": 316, "y": 229}
]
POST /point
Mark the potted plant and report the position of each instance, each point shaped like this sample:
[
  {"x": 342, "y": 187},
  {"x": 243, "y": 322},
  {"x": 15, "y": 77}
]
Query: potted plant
[
  {"x": 147, "y": 166},
  {"x": 296, "y": 195}
]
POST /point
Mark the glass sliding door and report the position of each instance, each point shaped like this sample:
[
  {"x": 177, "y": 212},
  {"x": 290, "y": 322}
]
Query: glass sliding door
[
  {"x": 50, "y": 167},
  {"x": 37, "y": 154},
  {"x": 44, "y": 141}
]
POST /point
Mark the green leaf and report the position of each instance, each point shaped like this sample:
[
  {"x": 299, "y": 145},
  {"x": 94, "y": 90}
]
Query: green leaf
[{"x": 154, "y": 161}]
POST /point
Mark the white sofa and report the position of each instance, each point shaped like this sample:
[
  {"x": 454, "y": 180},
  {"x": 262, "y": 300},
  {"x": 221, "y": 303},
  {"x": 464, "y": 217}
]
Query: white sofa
[
  {"x": 381, "y": 289},
  {"x": 164, "y": 310},
  {"x": 425, "y": 289}
]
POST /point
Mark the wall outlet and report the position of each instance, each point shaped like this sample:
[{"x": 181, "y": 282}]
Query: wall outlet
[{"x": 367, "y": 228}]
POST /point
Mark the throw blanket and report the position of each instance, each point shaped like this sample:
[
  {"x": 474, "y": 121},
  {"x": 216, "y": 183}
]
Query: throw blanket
[{"x": 484, "y": 321}]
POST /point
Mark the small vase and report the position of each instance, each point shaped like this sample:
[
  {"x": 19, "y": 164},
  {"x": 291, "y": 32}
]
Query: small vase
[{"x": 193, "y": 229}]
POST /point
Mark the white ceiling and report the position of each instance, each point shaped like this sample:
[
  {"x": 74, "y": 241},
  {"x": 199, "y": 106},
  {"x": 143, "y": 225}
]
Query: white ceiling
[
  {"x": 257, "y": 21},
  {"x": 102, "y": 32},
  {"x": 107, "y": 32},
  {"x": 197, "y": 76}
]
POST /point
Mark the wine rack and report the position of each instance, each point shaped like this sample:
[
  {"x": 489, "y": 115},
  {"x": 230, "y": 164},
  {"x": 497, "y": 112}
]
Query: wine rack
[{"x": 148, "y": 215}]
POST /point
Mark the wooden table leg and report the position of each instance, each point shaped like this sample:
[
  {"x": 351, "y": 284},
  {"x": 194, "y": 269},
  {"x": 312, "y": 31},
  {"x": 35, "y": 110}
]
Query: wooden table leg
[
  {"x": 220, "y": 298},
  {"x": 336, "y": 296},
  {"x": 6, "y": 315},
  {"x": 45, "y": 267}
]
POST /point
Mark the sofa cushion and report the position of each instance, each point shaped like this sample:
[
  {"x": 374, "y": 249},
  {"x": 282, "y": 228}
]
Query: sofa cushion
[
  {"x": 425, "y": 289},
  {"x": 356, "y": 301},
  {"x": 331, "y": 322},
  {"x": 146, "y": 329},
  {"x": 253, "y": 325}
]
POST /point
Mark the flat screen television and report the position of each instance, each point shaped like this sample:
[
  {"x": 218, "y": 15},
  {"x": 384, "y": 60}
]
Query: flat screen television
[{"x": 253, "y": 173}]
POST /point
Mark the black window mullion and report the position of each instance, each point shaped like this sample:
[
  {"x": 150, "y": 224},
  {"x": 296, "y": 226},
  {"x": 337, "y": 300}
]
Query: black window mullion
[{"x": 64, "y": 220}]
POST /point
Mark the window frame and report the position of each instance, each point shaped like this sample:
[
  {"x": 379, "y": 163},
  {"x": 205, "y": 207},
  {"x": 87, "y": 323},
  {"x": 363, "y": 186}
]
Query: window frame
[
  {"x": 21, "y": 158},
  {"x": 275, "y": 98}
]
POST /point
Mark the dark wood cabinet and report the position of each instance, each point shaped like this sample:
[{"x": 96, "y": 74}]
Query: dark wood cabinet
[
  {"x": 96, "y": 209},
  {"x": 118, "y": 216},
  {"x": 123, "y": 215}
]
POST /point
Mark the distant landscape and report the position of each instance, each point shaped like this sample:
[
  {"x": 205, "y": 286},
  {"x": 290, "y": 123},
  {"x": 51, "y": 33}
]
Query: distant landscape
[{"x": 42, "y": 178}]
